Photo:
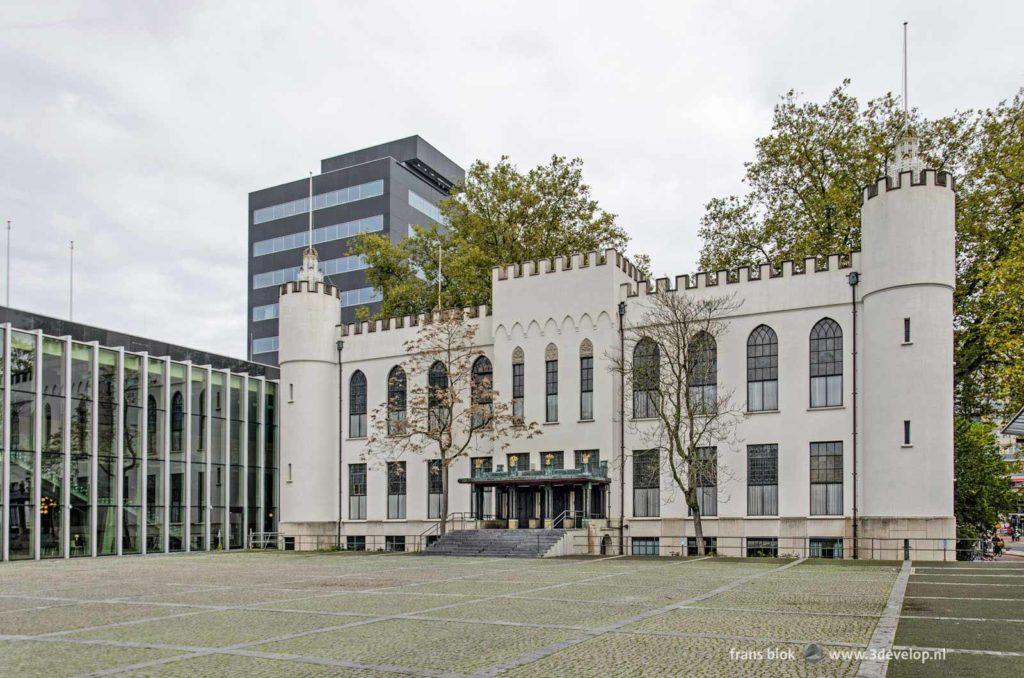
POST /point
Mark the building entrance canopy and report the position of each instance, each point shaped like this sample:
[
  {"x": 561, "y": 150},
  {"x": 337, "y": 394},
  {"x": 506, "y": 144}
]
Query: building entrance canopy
[{"x": 594, "y": 474}]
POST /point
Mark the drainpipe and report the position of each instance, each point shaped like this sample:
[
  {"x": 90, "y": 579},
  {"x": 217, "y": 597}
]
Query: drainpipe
[
  {"x": 854, "y": 278},
  {"x": 622, "y": 428},
  {"x": 341, "y": 437}
]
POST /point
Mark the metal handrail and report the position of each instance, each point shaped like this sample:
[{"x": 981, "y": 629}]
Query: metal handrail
[{"x": 567, "y": 513}]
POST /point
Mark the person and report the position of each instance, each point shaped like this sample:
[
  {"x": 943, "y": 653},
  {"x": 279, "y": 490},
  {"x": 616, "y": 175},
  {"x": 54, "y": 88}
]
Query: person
[{"x": 997, "y": 545}]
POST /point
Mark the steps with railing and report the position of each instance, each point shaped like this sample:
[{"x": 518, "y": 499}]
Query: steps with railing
[{"x": 496, "y": 543}]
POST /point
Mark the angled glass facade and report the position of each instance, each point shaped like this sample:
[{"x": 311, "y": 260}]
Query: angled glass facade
[{"x": 107, "y": 452}]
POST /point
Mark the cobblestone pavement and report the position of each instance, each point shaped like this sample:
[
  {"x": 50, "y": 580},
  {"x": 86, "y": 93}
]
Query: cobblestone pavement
[{"x": 295, "y": 614}]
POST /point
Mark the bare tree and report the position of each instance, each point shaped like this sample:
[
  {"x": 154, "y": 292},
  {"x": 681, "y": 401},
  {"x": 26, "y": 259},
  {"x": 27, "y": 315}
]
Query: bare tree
[
  {"x": 670, "y": 363},
  {"x": 441, "y": 400}
]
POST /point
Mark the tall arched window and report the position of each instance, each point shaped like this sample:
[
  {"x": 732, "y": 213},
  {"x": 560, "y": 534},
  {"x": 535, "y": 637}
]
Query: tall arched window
[
  {"x": 482, "y": 385},
  {"x": 518, "y": 385},
  {"x": 357, "y": 405},
  {"x": 396, "y": 401},
  {"x": 437, "y": 397},
  {"x": 702, "y": 373},
  {"x": 177, "y": 421},
  {"x": 646, "y": 378},
  {"x": 762, "y": 370},
  {"x": 586, "y": 380},
  {"x": 826, "y": 363},
  {"x": 551, "y": 384}
]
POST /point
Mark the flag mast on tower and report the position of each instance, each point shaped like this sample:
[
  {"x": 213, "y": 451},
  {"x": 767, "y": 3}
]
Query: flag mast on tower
[{"x": 310, "y": 270}]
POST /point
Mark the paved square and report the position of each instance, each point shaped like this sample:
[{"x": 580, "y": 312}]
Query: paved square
[{"x": 287, "y": 614}]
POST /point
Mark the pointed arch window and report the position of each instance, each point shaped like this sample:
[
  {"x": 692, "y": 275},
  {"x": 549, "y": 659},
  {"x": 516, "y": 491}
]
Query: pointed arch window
[
  {"x": 397, "y": 395},
  {"x": 482, "y": 385},
  {"x": 177, "y": 421},
  {"x": 437, "y": 397},
  {"x": 762, "y": 370},
  {"x": 826, "y": 353},
  {"x": 551, "y": 384},
  {"x": 357, "y": 405},
  {"x": 702, "y": 373},
  {"x": 646, "y": 379},
  {"x": 518, "y": 386},
  {"x": 586, "y": 380}
]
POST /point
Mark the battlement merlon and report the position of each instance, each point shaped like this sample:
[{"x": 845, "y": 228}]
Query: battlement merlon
[
  {"x": 928, "y": 177},
  {"x": 566, "y": 263},
  {"x": 743, "y": 274},
  {"x": 407, "y": 321},
  {"x": 296, "y": 286}
]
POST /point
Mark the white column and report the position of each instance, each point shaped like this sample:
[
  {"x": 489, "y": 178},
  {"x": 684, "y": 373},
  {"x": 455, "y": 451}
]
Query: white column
[
  {"x": 167, "y": 454},
  {"x": 261, "y": 442},
  {"x": 244, "y": 477},
  {"x": 5, "y": 474},
  {"x": 37, "y": 424},
  {"x": 226, "y": 533},
  {"x": 187, "y": 523},
  {"x": 144, "y": 439},
  {"x": 65, "y": 424},
  {"x": 119, "y": 437},
  {"x": 207, "y": 438},
  {"x": 94, "y": 448}
]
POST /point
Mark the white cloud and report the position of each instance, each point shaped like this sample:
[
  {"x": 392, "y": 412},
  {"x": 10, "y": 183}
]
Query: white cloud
[{"x": 138, "y": 129}]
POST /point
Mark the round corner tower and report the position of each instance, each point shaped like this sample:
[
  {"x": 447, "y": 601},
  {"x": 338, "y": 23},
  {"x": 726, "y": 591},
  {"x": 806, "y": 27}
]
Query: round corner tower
[
  {"x": 308, "y": 357},
  {"x": 907, "y": 281}
]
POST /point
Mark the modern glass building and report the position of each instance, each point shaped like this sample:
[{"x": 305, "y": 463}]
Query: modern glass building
[
  {"x": 382, "y": 189},
  {"x": 111, "y": 451}
]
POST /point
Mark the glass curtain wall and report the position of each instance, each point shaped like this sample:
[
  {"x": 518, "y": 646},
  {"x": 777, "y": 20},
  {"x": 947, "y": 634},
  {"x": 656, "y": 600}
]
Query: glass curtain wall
[
  {"x": 108, "y": 395},
  {"x": 133, "y": 525},
  {"x": 51, "y": 487},
  {"x": 176, "y": 460},
  {"x": 252, "y": 471},
  {"x": 235, "y": 479},
  {"x": 218, "y": 477},
  {"x": 90, "y": 429},
  {"x": 155, "y": 456},
  {"x": 3, "y": 405},
  {"x": 197, "y": 473},
  {"x": 21, "y": 515}
]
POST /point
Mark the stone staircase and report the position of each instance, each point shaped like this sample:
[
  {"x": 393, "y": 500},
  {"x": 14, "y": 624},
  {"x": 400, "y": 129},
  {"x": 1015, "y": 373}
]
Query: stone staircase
[{"x": 497, "y": 543}]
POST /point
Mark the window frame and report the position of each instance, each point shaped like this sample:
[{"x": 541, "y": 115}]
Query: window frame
[
  {"x": 357, "y": 400},
  {"x": 762, "y": 368},
  {"x": 825, "y": 364}
]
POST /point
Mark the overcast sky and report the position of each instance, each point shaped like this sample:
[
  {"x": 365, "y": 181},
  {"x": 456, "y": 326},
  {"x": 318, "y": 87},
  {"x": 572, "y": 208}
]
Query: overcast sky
[{"x": 137, "y": 129}]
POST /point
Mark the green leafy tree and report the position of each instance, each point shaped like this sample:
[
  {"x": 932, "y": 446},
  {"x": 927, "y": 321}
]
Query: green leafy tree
[
  {"x": 983, "y": 491},
  {"x": 804, "y": 200},
  {"x": 499, "y": 216}
]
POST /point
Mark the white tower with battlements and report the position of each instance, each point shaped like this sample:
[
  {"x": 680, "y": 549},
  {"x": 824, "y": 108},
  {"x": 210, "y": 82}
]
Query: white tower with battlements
[
  {"x": 309, "y": 312},
  {"x": 906, "y": 395}
]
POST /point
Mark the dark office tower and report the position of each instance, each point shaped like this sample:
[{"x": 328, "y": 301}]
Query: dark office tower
[{"x": 383, "y": 189}]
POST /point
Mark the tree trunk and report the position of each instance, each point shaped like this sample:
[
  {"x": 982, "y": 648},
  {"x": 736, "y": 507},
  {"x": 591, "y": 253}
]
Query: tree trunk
[
  {"x": 444, "y": 497},
  {"x": 698, "y": 528}
]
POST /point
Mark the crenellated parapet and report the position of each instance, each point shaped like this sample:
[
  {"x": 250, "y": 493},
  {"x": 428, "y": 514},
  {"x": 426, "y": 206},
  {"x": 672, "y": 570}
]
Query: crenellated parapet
[
  {"x": 743, "y": 274},
  {"x": 408, "y": 321},
  {"x": 926, "y": 177},
  {"x": 566, "y": 263},
  {"x": 310, "y": 287}
]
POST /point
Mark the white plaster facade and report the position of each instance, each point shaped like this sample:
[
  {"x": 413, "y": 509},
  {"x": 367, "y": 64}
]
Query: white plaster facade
[{"x": 904, "y": 490}]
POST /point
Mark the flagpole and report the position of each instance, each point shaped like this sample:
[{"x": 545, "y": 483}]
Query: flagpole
[
  {"x": 8, "y": 263},
  {"x": 310, "y": 210},
  {"x": 71, "y": 285},
  {"x": 439, "y": 276}
]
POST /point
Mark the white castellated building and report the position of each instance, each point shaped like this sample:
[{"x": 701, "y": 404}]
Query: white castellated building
[{"x": 847, "y": 424}]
